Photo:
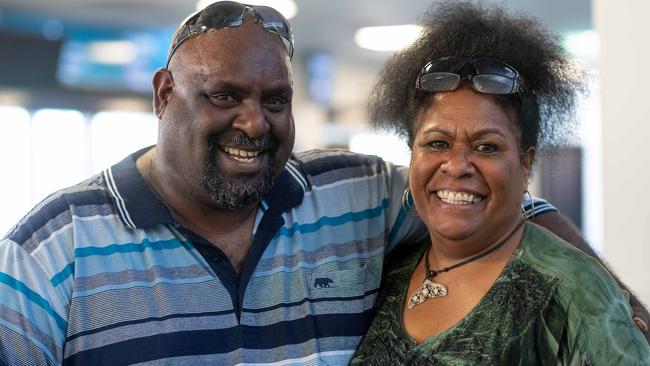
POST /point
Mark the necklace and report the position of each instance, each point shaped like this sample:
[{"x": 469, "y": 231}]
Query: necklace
[{"x": 431, "y": 289}]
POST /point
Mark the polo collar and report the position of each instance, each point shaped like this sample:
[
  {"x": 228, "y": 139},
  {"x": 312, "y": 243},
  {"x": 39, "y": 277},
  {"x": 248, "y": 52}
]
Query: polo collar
[{"x": 138, "y": 207}]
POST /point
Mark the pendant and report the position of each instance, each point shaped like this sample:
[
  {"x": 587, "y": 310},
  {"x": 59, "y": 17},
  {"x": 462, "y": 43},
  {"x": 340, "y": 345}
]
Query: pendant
[{"x": 428, "y": 290}]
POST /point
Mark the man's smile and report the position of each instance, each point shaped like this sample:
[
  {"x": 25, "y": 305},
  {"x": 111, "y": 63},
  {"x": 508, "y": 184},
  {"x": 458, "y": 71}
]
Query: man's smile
[{"x": 241, "y": 155}]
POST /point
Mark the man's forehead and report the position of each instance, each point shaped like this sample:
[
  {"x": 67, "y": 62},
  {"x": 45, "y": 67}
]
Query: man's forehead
[
  {"x": 236, "y": 54},
  {"x": 231, "y": 14}
]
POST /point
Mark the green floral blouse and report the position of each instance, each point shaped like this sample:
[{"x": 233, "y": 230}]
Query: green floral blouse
[{"x": 551, "y": 305}]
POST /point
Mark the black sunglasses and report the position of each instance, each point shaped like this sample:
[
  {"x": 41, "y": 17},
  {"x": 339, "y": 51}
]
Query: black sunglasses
[
  {"x": 224, "y": 14},
  {"x": 488, "y": 76}
]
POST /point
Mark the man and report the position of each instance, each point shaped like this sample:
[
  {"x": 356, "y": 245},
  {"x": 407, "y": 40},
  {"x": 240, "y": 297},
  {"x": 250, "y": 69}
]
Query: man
[{"x": 216, "y": 246}]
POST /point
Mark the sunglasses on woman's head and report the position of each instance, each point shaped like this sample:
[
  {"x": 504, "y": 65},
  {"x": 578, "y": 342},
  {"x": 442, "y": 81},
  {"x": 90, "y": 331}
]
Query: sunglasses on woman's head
[
  {"x": 488, "y": 76},
  {"x": 225, "y": 14}
]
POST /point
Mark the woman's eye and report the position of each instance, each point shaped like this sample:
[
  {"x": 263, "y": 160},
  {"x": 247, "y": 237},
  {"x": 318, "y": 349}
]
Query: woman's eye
[
  {"x": 486, "y": 148},
  {"x": 438, "y": 145}
]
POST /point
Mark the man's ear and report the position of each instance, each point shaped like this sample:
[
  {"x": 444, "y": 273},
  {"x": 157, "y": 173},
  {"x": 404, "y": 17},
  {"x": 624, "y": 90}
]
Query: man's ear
[
  {"x": 163, "y": 85},
  {"x": 527, "y": 159}
]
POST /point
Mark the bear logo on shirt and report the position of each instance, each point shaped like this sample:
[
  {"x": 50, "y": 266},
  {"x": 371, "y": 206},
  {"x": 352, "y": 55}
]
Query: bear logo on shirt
[{"x": 323, "y": 282}]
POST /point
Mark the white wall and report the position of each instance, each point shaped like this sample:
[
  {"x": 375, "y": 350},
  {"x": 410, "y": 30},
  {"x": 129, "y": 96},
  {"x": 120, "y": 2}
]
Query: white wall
[{"x": 625, "y": 89}]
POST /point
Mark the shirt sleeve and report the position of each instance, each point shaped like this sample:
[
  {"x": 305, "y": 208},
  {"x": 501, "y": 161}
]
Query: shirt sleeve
[
  {"x": 32, "y": 314},
  {"x": 535, "y": 206},
  {"x": 600, "y": 329},
  {"x": 403, "y": 223}
]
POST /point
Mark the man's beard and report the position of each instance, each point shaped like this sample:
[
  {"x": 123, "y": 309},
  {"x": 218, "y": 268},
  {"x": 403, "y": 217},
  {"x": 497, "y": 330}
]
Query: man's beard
[{"x": 231, "y": 194}]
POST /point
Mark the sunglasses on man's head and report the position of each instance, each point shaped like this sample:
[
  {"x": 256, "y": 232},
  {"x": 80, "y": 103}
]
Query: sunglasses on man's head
[
  {"x": 488, "y": 76},
  {"x": 225, "y": 14}
]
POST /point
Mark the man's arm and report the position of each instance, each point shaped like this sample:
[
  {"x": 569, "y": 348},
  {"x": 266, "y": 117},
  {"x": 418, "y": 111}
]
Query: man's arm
[
  {"x": 565, "y": 229},
  {"x": 32, "y": 320}
]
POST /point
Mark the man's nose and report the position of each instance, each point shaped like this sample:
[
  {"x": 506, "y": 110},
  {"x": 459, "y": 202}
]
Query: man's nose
[{"x": 252, "y": 120}]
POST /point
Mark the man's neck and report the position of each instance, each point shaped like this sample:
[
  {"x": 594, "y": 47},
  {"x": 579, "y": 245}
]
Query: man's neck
[{"x": 229, "y": 230}]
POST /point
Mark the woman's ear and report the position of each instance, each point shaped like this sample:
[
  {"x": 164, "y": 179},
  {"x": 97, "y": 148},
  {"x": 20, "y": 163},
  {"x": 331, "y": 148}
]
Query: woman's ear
[
  {"x": 163, "y": 85},
  {"x": 527, "y": 159}
]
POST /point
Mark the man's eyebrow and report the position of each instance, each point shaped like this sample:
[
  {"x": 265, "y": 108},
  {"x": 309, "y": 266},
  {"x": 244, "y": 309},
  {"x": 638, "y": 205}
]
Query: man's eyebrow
[
  {"x": 226, "y": 84},
  {"x": 241, "y": 87},
  {"x": 281, "y": 88}
]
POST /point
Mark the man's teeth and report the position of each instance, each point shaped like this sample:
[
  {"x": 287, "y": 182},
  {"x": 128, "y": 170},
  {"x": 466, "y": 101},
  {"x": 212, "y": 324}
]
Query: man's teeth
[
  {"x": 244, "y": 156},
  {"x": 458, "y": 198}
]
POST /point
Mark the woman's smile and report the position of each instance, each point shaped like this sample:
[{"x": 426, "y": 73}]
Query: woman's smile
[{"x": 458, "y": 197}]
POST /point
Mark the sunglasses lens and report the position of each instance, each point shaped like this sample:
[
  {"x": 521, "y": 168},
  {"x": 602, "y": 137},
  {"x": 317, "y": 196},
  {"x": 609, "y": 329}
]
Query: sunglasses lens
[
  {"x": 225, "y": 14},
  {"x": 494, "y": 84},
  {"x": 490, "y": 66},
  {"x": 487, "y": 75},
  {"x": 274, "y": 22},
  {"x": 216, "y": 16},
  {"x": 222, "y": 14},
  {"x": 439, "y": 82},
  {"x": 494, "y": 77}
]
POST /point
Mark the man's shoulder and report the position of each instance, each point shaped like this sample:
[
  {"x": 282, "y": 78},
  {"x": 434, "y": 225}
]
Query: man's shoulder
[
  {"x": 336, "y": 158},
  {"x": 85, "y": 199},
  {"x": 339, "y": 163}
]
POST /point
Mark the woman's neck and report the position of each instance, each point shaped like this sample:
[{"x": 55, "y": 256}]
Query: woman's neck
[{"x": 445, "y": 251}]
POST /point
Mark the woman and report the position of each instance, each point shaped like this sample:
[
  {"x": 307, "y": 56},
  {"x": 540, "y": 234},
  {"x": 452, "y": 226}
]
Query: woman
[{"x": 484, "y": 88}]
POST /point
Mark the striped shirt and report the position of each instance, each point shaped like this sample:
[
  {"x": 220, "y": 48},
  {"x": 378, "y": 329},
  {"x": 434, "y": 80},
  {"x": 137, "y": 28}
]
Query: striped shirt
[{"x": 101, "y": 274}]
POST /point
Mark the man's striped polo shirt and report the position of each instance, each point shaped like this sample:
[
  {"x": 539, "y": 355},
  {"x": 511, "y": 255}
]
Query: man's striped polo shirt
[{"x": 101, "y": 274}]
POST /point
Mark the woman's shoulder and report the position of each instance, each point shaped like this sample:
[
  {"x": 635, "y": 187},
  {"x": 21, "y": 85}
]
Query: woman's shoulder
[
  {"x": 597, "y": 317},
  {"x": 579, "y": 278},
  {"x": 552, "y": 256}
]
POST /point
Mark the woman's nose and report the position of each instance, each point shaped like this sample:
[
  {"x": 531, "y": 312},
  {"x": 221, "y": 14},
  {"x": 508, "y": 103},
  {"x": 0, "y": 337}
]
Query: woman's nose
[{"x": 458, "y": 163}]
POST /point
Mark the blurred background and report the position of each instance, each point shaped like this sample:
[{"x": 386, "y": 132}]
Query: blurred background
[{"x": 75, "y": 81}]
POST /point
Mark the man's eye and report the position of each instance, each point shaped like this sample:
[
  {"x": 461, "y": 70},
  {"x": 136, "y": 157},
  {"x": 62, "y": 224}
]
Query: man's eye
[
  {"x": 486, "y": 148},
  {"x": 224, "y": 99},
  {"x": 276, "y": 104}
]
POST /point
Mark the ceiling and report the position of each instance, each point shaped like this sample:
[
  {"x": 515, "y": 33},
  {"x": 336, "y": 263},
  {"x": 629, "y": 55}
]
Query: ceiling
[{"x": 320, "y": 25}]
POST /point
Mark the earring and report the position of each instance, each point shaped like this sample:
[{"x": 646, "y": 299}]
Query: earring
[
  {"x": 407, "y": 203},
  {"x": 532, "y": 208}
]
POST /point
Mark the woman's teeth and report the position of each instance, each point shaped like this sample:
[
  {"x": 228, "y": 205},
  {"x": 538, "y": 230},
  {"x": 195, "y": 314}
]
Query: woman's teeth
[
  {"x": 458, "y": 198},
  {"x": 244, "y": 156}
]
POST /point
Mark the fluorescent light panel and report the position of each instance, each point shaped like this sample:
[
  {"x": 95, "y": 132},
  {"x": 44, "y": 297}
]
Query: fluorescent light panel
[
  {"x": 387, "y": 38},
  {"x": 112, "y": 52}
]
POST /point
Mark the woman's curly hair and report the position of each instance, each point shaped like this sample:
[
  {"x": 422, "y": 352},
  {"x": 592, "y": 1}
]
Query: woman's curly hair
[{"x": 553, "y": 80}]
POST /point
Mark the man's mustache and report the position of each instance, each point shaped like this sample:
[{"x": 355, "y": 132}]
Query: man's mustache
[{"x": 240, "y": 140}]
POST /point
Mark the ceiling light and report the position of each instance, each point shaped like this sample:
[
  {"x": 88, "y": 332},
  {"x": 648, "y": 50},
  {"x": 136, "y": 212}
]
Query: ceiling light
[
  {"x": 387, "y": 38},
  {"x": 584, "y": 45},
  {"x": 112, "y": 52},
  {"x": 288, "y": 8}
]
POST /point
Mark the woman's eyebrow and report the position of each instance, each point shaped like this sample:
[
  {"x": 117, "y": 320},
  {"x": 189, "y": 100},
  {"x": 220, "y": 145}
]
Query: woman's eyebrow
[
  {"x": 487, "y": 131},
  {"x": 439, "y": 130}
]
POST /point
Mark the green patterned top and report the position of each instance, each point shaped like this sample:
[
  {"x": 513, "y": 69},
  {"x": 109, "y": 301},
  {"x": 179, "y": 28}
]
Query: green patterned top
[{"x": 551, "y": 305}]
